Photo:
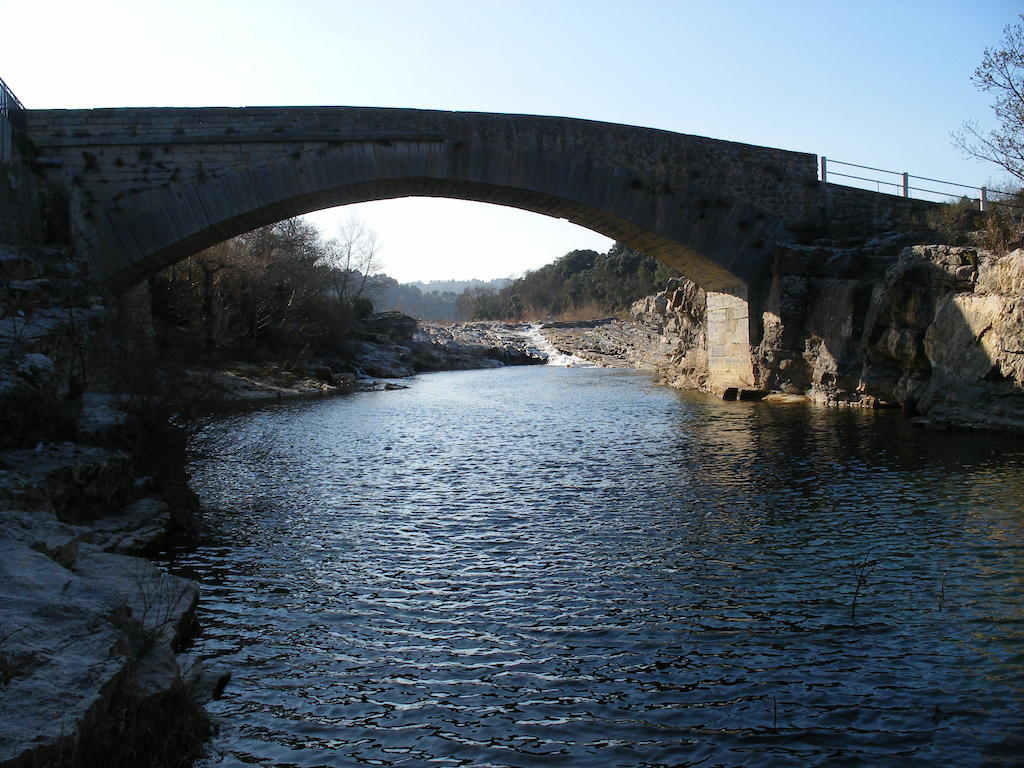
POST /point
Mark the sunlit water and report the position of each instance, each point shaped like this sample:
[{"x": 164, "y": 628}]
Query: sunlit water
[{"x": 573, "y": 567}]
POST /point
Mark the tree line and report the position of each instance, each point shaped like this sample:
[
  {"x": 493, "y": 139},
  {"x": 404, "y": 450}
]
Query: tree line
[
  {"x": 580, "y": 285},
  {"x": 280, "y": 291},
  {"x": 435, "y": 301}
]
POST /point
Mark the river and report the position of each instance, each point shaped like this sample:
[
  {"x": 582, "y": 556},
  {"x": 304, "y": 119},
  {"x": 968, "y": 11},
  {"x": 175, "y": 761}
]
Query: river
[{"x": 553, "y": 566}]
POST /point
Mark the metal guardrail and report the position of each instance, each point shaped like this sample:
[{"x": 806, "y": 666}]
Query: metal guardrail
[
  {"x": 902, "y": 186},
  {"x": 11, "y": 109}
]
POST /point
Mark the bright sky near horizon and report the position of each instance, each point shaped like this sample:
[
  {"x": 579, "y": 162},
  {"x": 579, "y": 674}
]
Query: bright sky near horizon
[{"x": 876, "y": 82}]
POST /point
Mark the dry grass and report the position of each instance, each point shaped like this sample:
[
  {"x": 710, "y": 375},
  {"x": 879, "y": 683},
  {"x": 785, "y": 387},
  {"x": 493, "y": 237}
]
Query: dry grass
[
  {"x": 167, "y": 731},
  {"x": 1000, "y": 229},
  {"x": 591, "y": 310}
]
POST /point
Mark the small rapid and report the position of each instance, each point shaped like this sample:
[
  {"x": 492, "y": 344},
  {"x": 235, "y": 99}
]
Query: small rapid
[{"x": 537, "y": 343}]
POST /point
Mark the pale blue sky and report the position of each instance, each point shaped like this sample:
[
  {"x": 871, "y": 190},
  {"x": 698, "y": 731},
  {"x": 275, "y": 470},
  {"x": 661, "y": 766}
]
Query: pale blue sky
[{"x": 878, "y": 83}]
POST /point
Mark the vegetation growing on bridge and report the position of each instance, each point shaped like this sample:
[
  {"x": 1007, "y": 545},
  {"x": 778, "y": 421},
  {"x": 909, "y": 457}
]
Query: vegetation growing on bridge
[{"x": 1000, "y": 229}]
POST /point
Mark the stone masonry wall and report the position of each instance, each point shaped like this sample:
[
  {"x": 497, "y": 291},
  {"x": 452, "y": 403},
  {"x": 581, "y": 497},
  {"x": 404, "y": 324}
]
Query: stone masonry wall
[
  {"x": 728, "y": 343},
  {"x": 112, "y": 152},
  {"x": 844, "y": 211},
  {"x": 31, "y": 210},
  {"x": 173, "y": 180}
]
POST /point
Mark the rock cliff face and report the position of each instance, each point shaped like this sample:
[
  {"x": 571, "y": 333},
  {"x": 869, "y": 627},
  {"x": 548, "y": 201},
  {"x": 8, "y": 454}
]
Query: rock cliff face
[
  {"x": 937, "y": 330},
  {"x": 678, "y": 315}
]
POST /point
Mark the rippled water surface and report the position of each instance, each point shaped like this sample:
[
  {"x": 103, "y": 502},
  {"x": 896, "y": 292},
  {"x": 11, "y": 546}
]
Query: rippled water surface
[{"x": 572, "y": 567}]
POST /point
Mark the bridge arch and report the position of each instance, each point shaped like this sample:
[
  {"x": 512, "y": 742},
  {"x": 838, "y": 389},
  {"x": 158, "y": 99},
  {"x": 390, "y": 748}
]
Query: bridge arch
[
  {"x": 150, "y": 186},
  {"x": 719, "y": 243}
]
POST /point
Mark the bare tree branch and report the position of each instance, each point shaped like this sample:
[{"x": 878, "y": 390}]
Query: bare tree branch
[{"x": 1000, "y": 73}]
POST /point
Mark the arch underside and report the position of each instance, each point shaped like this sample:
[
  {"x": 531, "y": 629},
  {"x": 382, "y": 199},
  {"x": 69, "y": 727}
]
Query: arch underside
[
  {"x": 155, "y": 228},
  {"x": 667, "y": 251}
]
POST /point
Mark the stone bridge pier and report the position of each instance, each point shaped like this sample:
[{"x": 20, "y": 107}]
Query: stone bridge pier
[
  {"x": 148, "y": 187},
  {"x": 729, "y": 338}
]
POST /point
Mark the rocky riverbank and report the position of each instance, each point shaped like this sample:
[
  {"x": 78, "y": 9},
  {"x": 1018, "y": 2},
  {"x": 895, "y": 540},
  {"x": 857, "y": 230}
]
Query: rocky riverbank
[
  {"x": 395, "y": 346},
  {"x": 936, "y": 330},
  {"x": 90, "y": 627},
  {"x": 90, "y": 483},
  {"x": 612, "y": 342},
  {"x": 389, "y": 346}
]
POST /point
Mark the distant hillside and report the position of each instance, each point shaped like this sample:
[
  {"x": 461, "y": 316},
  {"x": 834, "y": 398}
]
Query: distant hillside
[
  {"x": 458, "y": 286},
  {"x": 434, "y": 300},
  {"x": 579, "y": 285}
]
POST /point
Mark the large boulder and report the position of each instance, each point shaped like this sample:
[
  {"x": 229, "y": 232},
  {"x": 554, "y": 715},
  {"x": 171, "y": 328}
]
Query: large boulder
[
  {"x": 394, "y": 325},
  {"x": 78, "y": 643}
]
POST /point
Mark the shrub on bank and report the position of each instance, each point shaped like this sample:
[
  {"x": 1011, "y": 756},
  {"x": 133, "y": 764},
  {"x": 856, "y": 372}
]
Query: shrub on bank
[{"x": 999, "y": 229}]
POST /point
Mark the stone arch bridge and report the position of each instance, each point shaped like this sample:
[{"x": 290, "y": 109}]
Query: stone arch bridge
[{"x": 147, "y": 187}]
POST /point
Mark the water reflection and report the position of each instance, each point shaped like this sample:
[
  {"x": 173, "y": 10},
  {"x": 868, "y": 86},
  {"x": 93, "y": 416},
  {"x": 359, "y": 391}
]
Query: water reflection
[{"x": 571, "y": 567}]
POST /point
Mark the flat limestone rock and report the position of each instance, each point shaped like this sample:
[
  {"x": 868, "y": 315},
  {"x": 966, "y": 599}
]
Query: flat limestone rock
[
  {"x": 75, "y": 640},
  {"x": 42, "y": 531},
  {"x": 140, "y": 527},
  {"x": 100, "y": 413},
  {"x": 613, "y": 343},
  {"x": 160, "y": 602},
  {"x": 244, "y": 383},
  {"x": 61, "y": 660}
]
